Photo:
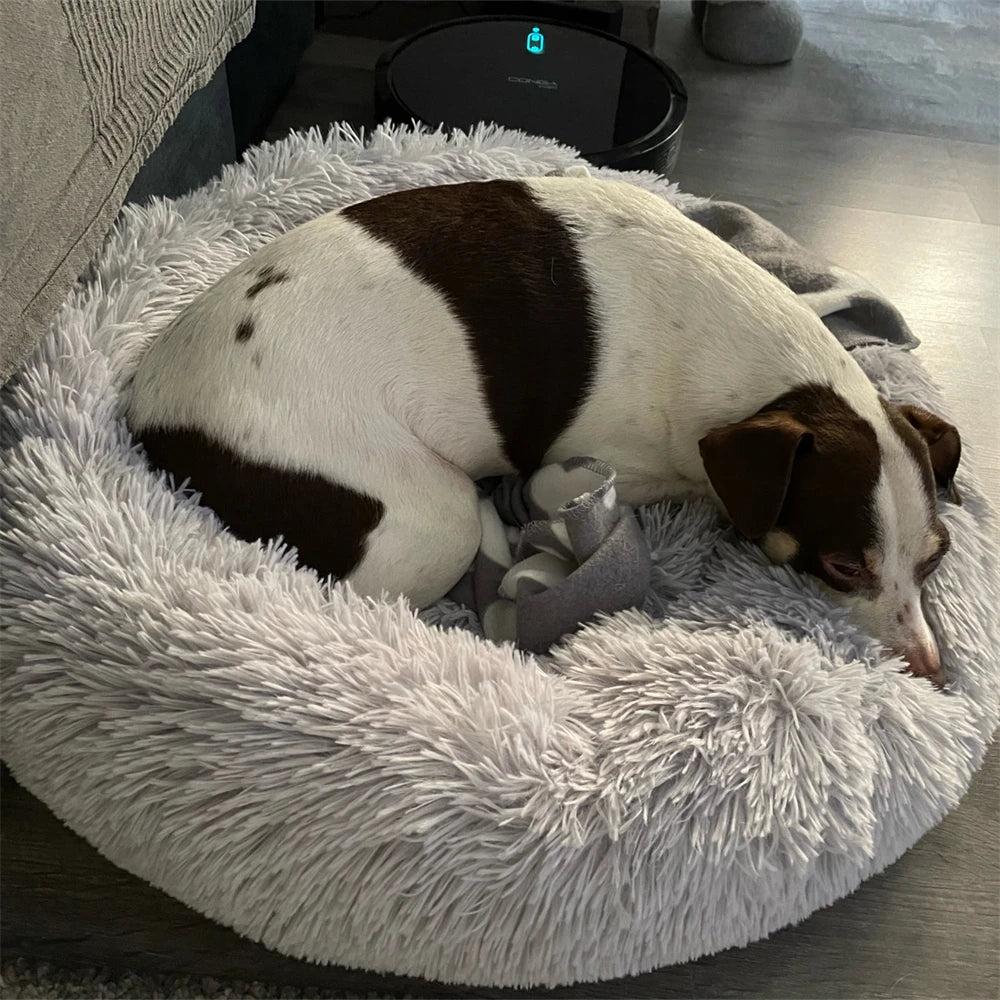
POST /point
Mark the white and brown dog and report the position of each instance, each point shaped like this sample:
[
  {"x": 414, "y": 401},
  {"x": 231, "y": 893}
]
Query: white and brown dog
[{"x": 346, "y": 385}]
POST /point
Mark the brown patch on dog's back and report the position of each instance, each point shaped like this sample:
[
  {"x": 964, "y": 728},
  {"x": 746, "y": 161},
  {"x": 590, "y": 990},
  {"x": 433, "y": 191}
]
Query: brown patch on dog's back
[
  {"x": 328, "y": 523},
  {"x": 510, "y": 272},
  {"x": 267, "y": 275}
]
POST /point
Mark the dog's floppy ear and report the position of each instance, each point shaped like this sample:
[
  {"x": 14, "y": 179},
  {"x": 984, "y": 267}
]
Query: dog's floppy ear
[
  {"x": 943, "y": 443},
  {"x": 749, "y": 465}
]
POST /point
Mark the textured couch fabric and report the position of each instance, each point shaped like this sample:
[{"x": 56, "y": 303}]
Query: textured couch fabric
[{"x": 89, "y": 89}]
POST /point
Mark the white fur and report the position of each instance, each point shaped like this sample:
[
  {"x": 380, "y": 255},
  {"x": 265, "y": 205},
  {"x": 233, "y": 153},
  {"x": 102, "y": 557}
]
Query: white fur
[
  {"x": 694, "y": 335},
  {"x": 896, "y": 615},
  {"x": 366, "y": 377},
  {"x": 780, "y": 546}
]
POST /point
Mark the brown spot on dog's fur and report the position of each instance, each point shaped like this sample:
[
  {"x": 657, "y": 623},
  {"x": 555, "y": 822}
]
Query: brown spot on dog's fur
[
  {"x": 328, "y": 523},
  {"x": 806, "y": 465},
  {"x": 244, "y": 331},
  {"x": 267, "y": 275},
  {"x": 749, "y": 465},
  {"x": 829, "y": 506},
  {"x": 510, "y": 272}
]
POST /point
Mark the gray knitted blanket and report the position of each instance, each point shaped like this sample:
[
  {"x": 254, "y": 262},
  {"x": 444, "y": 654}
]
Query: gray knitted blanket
[{"x": 557, "y": 548}]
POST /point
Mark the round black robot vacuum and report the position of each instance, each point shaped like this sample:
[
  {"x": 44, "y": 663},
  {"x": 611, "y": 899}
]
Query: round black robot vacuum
[{"x": 616, "y": 104}]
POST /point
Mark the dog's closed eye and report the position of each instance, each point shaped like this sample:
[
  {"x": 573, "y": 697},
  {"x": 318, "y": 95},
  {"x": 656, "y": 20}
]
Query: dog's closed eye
[
  {"x": 927, "y": 567},
  {"x": 845, "y": 573}
]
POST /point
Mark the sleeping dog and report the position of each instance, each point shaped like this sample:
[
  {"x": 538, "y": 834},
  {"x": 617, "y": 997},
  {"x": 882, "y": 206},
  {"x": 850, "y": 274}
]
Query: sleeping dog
[{"x": 346, "y": 385}]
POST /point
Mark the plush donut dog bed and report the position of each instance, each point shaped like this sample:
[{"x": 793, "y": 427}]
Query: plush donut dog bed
[{"x": 346, "y": 782}]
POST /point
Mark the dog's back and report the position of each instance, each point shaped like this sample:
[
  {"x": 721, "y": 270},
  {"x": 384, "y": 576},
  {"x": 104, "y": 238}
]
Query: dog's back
[
  {"x": 344, "y": 386},
  {"x": 499, "y": 324}
]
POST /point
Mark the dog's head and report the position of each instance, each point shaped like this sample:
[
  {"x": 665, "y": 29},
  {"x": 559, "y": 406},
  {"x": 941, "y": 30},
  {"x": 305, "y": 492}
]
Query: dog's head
[{"x": 850, "y": 500}]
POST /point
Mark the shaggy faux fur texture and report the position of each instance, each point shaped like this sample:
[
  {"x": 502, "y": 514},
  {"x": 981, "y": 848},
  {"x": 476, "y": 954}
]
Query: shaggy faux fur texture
[{"x": 346, "y": 782}]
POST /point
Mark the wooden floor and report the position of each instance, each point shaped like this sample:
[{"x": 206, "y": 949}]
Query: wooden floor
[{"x": 911, "y": 200}]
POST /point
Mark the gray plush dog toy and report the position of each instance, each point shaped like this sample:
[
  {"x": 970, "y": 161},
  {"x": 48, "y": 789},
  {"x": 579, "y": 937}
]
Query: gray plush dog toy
[{"x": 751, "y": 32}]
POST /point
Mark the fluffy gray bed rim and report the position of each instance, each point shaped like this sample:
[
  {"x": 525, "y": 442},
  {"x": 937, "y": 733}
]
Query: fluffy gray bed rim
[{"x": 345, "y": 782}]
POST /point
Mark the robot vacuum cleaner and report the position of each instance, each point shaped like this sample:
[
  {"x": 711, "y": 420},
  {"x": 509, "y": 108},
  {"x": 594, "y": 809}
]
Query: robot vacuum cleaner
[{"x": 617, "y": 105}]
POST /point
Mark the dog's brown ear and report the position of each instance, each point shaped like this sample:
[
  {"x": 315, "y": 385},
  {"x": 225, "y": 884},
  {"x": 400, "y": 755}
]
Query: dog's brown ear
[
  {"x": 749, "y": 465},
  {"x": 943, "y": 443}
]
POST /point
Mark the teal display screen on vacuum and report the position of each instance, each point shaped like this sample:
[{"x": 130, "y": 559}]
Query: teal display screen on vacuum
[{"x": 523, "y": 74}]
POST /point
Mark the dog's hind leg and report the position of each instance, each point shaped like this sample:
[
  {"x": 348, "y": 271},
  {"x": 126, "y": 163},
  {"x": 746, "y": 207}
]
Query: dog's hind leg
[
  {"x": 396, "y": 519},
  {"x": 428, "y": 534}
]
